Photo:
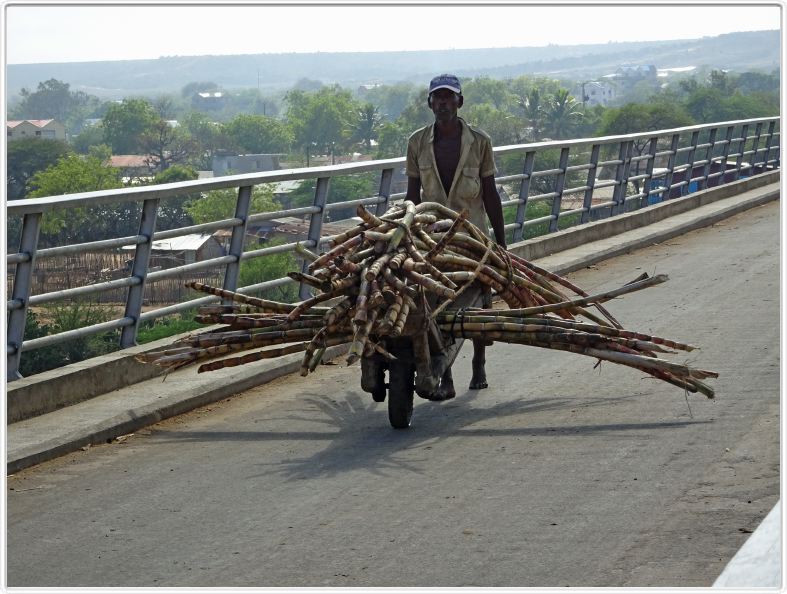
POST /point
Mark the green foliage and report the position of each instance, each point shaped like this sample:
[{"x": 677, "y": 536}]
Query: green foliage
[
  {"x": 392, "y": 140},
  {"x": 88, "y": 137},
  {"x": 502, "y": 127},
  {"x": 220, "y": 204},
  {"x": 264, "y": 268},
  {"x": 166, "y": 327},
  {"x": 563, "y": 114},
  {"x": 259, "y": 134},
  {"x": 367, "y": 125},
  {"x": 73, "y": 174},
  {"x": 340, "y": 189},
  {"x": 53, "y": 99},
  {"x": 62, "y": 317},
  {"x": 172, "y": 211},
  {"x": 166, "y": 145},
  {"x": 390, "y": 99},
  {"x": 28, "y": 156},
  {"x": 126, "y": 122},
  {"x": 208, "y": 135},
  {"x": 417, "y": 113},
  {"x": 321, "y": 120},
  {"x": 485, "y": 90}
]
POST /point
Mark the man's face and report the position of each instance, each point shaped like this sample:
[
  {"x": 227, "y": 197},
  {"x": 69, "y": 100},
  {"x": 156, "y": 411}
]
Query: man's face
[{"x": 445, "y": 104}]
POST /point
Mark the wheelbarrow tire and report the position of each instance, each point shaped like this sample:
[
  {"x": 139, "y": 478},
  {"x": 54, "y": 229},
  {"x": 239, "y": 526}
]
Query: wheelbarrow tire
[{"x": 401, "y": 384}]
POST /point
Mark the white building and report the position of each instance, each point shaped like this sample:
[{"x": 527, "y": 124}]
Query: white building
[
  {"x": 596, "y": 93},
  {"x": 50, "y": 129}
]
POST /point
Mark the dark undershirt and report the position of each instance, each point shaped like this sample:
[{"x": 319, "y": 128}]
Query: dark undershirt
[{"x": 446, "y": 155}]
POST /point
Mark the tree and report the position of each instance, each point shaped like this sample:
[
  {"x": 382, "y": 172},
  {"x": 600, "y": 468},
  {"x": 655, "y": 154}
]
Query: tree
[
  {"x": 166, "y": 145},
  {"x": 563, "y": 113},
  {"x": 259, "y": 134},
  {"x": 220, "y": 204},
  {"x": 28, "y": 156},
  {"x": 390, "y": 99},
  {"x": 320, "y": 120},
  {"x": 367, "y": 125},
  {"x": 417, "y": 113},
  {"x": 126, "y": 122},
  {"x": 635, "y": 117},
  {"x": 392, "y": 141},
  {"x": 172, "y": 212},
  {"x": 533, "y": 110},
  {"x": 208, "y": 135},
  {"x": 340, "y": 189},
  {"x": 485, "y": 90},
  {"x": 704, "y": 104},
  {"x": 501, "y": 126},
  {"x": 89, "y": 136},
  {"x": 74, "y": 174},
  {"x": 272, "y": 266},
  {"x": 53, "y": 99}
]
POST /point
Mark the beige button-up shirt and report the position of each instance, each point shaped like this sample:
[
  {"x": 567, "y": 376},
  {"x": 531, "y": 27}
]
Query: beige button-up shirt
[{"x": 475, "y": 162}]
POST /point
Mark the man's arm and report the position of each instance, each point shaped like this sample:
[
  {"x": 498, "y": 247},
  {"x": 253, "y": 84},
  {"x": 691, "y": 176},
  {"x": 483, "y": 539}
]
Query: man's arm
[
  {"x": 494, "y": 209},
  {"x": 413, "y": 190}
]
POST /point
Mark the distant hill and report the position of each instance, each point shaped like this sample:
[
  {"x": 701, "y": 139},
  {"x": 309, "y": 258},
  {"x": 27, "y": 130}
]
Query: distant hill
[{"x": 757, "y": 50}]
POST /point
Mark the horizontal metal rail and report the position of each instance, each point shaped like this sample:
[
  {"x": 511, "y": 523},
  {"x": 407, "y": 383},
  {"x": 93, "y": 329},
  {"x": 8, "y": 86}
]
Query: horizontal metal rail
[{"x": 635, "y": 170}]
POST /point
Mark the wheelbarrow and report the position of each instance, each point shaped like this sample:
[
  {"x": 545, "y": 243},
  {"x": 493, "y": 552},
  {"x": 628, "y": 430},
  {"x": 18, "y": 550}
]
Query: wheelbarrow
[{"x": 421, "y": 354}]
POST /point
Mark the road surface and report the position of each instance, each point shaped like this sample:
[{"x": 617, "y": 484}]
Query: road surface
[{"x": 559, "y": 474}]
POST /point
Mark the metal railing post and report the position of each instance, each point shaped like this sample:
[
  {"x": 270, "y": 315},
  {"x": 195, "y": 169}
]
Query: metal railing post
[
  {"x": 315, "y": 225},
  {"x": 652, "y": 143},
  {"x": 621, "y": 177},
  {"x": 673, "y": 155},
  {"x": 136, "y": 294},
  {"x": 23, "y": 282},
  {"x": 386, "y": 176},
  {"x": 741, "y": 149},
  {"x": 587, "y": 203},
  {"x": 771, "y": 127},
  {"x": 703, "y": 183},
  {"x": 560, "y": 184},
  {"x": 755, "y": 148},
  {"x": 524, "y": 190},
  {"x": 724, "y": 154},
  {"x": 695, "y": 137},
  {"x": 237, "y": 239}
]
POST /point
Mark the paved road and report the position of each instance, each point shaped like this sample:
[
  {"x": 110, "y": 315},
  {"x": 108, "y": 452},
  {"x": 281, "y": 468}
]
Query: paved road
[{"x": 557, "y": 475}]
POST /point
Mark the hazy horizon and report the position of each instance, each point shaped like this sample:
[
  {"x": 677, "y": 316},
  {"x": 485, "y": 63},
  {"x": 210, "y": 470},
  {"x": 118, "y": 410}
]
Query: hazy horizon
[{"x": 58, "y": 34}]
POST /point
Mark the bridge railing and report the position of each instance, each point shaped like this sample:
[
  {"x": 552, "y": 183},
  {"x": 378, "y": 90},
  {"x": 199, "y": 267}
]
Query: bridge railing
[{"x": 573, "y": 181}]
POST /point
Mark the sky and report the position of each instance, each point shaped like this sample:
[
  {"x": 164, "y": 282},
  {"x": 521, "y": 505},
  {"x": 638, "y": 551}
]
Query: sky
[{"x": 71, "y": 33}]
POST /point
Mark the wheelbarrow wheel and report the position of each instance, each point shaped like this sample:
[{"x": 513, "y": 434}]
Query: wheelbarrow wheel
[{"x": 401, "y": 384}]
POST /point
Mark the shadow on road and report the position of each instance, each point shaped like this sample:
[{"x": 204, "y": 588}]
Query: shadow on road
[{"x": 359, "y": 437}]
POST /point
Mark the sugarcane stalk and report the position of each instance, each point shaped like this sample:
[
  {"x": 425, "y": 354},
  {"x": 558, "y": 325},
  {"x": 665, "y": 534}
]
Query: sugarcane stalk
[{"x": 261, "y": 304}]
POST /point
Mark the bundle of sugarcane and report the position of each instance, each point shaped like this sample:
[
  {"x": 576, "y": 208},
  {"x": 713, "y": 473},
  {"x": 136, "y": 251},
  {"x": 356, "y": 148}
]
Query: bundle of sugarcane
[{"x": 421, "y": 258}]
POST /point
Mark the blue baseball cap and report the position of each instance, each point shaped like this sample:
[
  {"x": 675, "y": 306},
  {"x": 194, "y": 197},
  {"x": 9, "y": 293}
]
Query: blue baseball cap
[{"x": 445, "y": 81}]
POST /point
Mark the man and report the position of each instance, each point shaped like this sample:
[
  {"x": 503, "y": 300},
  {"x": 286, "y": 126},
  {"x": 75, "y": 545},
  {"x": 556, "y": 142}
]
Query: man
[{"x": 453, "y": 163}]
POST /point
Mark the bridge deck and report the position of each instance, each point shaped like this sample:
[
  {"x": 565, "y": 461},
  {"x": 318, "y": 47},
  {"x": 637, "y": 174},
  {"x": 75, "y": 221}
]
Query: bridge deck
[{"x": 556, "y": 475}]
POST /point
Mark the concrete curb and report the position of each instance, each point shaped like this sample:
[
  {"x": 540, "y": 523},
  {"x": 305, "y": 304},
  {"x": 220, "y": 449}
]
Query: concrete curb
[
  {"x": 757, "y": 564},
  {"x": 110, "y": 415}
]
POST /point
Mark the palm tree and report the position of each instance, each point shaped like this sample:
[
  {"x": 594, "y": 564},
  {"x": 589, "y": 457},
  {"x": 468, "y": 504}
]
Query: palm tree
[
  {"x": 563, "y": 113},
  {"x": 367, "y": 123},
  {"x": 533, "y": 110}
]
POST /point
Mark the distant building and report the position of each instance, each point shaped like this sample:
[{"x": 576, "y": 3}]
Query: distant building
[
  {"x": 185, "y": 249},
  {"x": 231, "y": 164},
  {"x": 208, "y": 100},
  {"x": 596, "y": 93},
  {"x": 50, "y": 129}
]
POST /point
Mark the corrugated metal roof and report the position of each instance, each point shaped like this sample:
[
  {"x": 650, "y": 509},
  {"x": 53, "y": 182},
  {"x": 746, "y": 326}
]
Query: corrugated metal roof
[
  {"x": 191, "y": 242},
  {"x": 128, "y": 161}
]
